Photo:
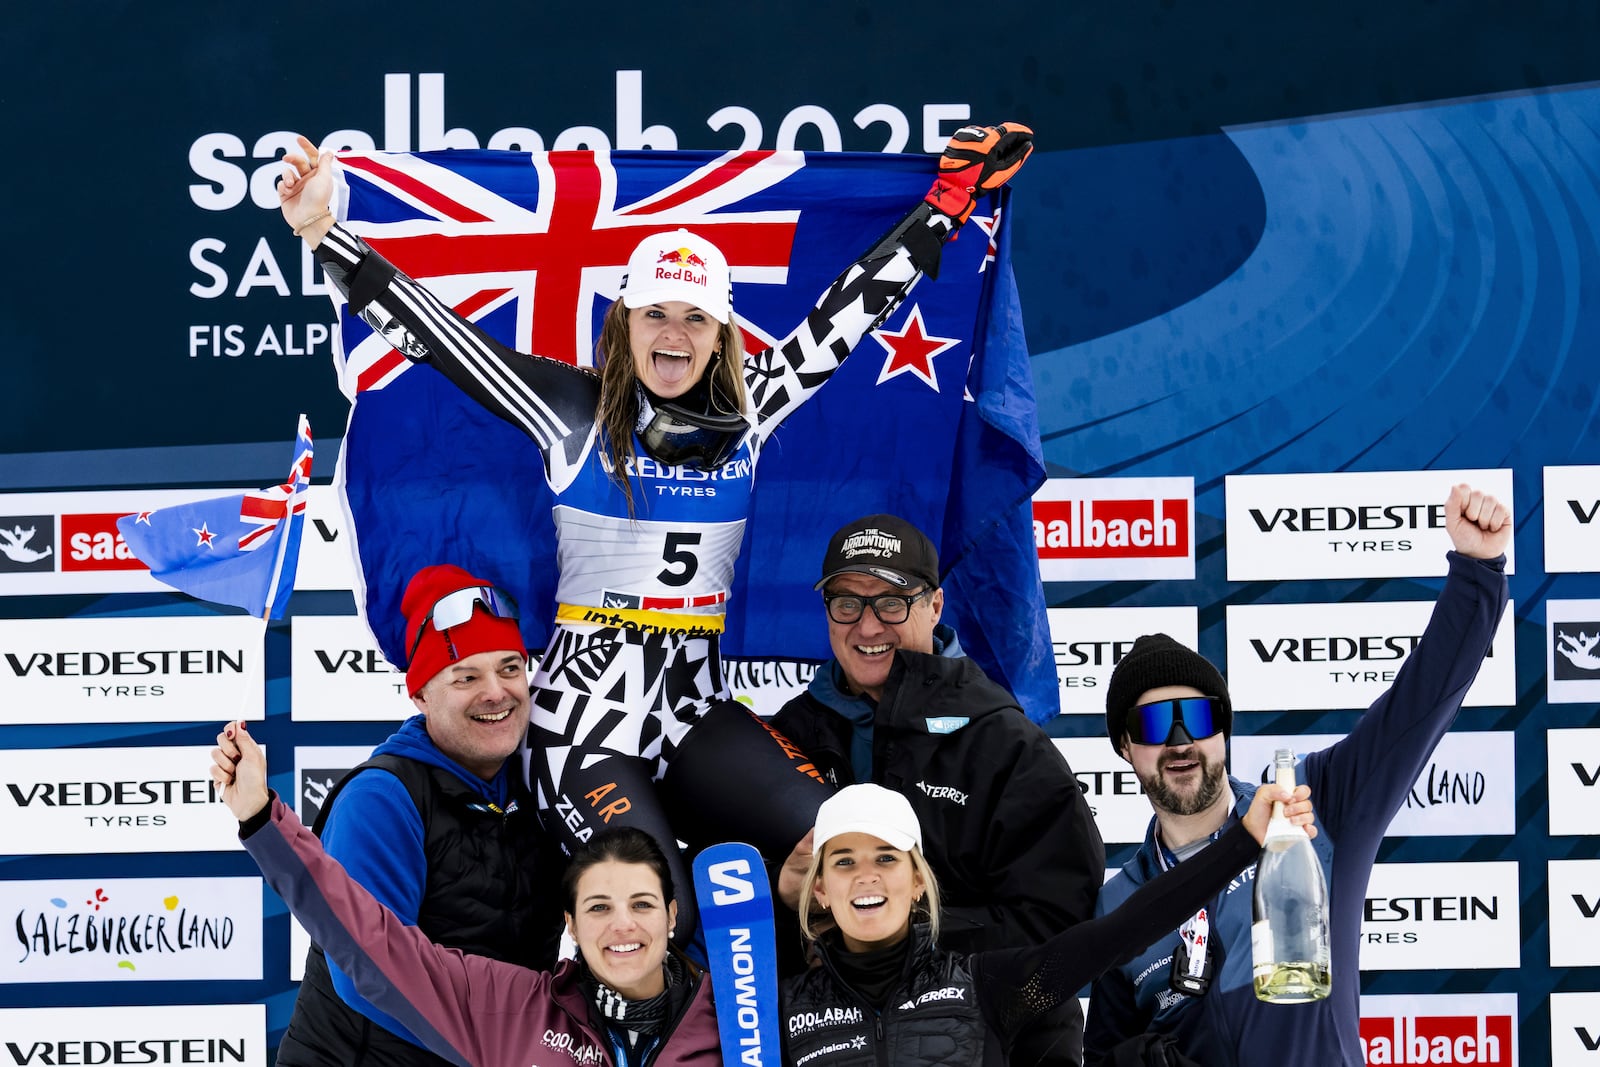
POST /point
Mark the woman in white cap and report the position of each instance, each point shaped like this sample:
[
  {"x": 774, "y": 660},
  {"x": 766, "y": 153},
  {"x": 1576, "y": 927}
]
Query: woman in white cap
[
  {"x": 632, "y": 672},
  {"x": 885, "y": 992}
]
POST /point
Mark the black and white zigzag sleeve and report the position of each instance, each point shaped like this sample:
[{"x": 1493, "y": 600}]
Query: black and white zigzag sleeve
[
  {"x": 552, "y": 402},
  {"x": 780, "y": 379}
]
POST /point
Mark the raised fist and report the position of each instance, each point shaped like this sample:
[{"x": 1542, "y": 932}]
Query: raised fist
[{"x": 977, "y": 161}]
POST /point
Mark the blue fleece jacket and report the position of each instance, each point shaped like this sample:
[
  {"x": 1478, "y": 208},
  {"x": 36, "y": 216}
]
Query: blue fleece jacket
[{"x": 375, "y": 832}]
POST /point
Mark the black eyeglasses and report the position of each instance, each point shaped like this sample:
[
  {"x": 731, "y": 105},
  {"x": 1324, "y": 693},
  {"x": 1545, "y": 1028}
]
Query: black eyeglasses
[
  {"x": 890, "y": 608},
  {"x": 1161, "y": 721},
  {"x": 454, "y": 609}
]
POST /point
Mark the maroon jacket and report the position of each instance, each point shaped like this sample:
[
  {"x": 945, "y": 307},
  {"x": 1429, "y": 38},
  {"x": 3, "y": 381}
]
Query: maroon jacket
[{"x": 472, "y": 1010}]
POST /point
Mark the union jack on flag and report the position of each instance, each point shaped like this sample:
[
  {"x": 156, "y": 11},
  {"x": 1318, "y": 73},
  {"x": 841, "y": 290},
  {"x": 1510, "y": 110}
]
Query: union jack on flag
[
  {"x": 931, "y": 419},
  {"x": 212, "y": 549}
]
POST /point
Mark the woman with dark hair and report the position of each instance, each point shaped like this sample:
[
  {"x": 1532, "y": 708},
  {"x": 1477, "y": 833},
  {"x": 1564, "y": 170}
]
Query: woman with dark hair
[
  {"x": 885, "y": 992},
  {"x": 628, "y": 1000},
  {"x": 632, "y": 715}
]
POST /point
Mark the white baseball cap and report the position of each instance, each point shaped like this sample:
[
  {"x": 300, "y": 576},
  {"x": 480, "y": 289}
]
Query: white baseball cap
[
  {"x": 679, "y": 265},
  {"x": 868, "y": 809}
]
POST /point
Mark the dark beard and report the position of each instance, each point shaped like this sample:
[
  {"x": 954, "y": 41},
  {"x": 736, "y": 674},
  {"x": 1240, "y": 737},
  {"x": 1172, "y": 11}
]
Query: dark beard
[{"x": 1213, "y": 780}]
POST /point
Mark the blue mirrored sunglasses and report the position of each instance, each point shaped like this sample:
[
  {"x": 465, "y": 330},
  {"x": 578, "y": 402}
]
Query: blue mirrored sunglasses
[
  {"x": 1159, "y": 722},
  {"x": 455, "y": 609}
]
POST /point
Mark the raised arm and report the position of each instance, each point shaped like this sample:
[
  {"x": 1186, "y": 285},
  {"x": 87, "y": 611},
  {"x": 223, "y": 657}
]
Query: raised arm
[
  {"x": 1017, "y": 985},
  {"x": 1362, "y": 779},
  {"x": 440, "y": 995},
  {"x": 552, "y": 402},
  {"x": 977, "y": 161}
]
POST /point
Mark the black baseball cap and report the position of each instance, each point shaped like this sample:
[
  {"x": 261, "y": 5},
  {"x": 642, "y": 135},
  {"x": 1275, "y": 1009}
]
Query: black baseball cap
[{"x": 883, "y": 546}]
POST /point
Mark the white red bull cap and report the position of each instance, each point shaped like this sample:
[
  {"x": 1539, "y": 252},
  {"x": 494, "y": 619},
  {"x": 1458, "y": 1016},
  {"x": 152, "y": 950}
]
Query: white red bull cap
[{"x": 679, "y": 265}]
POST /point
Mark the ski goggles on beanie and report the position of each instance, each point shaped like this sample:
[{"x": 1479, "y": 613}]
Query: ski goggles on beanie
[
  {"x": 455, "y": 609},
  {"x": 1174, "y": 722},
  {"x": 706, "y": 440}
]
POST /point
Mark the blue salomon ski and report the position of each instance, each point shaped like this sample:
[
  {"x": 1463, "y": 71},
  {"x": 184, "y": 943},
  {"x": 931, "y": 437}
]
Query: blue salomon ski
[{"x": 736, "y": 915}]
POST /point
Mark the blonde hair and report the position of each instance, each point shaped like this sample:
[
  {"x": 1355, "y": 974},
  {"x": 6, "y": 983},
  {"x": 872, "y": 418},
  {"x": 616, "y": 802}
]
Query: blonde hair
[
  {"x": 928, "y": 905},
  {"x": 618, "y": 414}
]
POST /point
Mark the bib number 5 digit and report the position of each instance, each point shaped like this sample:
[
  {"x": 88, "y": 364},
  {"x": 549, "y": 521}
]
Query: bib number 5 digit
[{"x": 681, "y": 562}]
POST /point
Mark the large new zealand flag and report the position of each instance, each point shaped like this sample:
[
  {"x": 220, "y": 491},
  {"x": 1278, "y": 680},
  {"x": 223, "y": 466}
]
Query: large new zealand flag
[{"x": 932, "y": 417}]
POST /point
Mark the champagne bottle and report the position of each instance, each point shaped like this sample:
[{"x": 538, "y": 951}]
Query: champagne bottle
[{"x": 1290, "y": 934}]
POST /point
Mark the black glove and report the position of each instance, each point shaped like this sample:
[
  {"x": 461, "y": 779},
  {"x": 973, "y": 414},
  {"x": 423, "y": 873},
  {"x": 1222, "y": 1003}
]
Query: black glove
[{"x": 977, "y": 161}]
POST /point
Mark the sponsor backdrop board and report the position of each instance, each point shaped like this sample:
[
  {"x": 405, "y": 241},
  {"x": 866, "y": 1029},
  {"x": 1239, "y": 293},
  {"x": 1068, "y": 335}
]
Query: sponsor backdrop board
[
  {"x": 1378, "y": 524},
  {"x": 1249, "y": 286},
  {"x": 1456, "y": 1028},
  {"x": 1307, "y": 657},
  {"x": 129, "y": 670},
  {"x": 200, "y": 1033},
  {"x": 1089, "y": 642}
]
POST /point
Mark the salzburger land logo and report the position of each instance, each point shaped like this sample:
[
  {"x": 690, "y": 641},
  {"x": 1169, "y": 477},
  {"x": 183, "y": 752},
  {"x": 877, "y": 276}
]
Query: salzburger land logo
[
  {"x": 131, "y": 929},
  {"x": 27, "y": 543},
  {"x": 1467, "y": 788}
]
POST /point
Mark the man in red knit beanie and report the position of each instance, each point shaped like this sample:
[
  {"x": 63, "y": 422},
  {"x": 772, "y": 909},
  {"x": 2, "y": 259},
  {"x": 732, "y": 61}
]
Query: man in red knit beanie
[{"x": 436, "y": 824}]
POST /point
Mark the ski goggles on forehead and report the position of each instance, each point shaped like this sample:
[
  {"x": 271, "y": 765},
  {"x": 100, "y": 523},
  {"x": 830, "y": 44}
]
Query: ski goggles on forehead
[
  {"x": 1161, "y": 721},
  {"x": 455, "y": 609}
]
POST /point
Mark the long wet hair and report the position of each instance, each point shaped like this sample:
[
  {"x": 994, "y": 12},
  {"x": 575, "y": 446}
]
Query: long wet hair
[
  {"x": 618, "y": 414},
  {"x": 927, "y": 908}
]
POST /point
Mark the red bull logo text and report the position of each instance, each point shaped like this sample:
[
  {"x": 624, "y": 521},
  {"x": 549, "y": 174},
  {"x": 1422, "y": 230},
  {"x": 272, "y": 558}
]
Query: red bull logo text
[{"x": 681, "y": 264}]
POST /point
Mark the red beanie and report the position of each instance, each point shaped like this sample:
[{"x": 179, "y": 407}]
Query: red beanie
[{"x": 481, "y": 633}]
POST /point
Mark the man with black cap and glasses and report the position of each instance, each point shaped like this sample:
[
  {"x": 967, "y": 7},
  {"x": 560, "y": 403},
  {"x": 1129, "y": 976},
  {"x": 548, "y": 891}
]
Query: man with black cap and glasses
[
  {"x": 1006, "y": 827},
  {"x": 436, "y": 824},
  {"x": 1168, "y": 714}
]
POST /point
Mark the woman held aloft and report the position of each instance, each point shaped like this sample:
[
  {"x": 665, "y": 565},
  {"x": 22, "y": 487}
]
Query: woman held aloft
[
  {"x": 632, "y": 673},
  {"x": 885, "y": 992},
  {"x": 629, "y": 999}
]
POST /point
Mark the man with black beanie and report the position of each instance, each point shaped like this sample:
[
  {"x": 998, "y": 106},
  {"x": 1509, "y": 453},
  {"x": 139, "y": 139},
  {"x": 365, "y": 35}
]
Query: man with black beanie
[{"x": 1168, "y": 714}]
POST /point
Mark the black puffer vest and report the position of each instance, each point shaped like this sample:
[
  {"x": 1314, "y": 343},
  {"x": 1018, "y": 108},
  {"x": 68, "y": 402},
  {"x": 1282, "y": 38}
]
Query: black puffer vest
[
  {"x": 491, "y": 889},
  {"x": 932, "y": 1017}
]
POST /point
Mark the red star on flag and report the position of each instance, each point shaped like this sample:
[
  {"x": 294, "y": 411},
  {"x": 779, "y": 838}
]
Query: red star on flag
[
  {"x": 143, "y": 518},
  {"x": 205, "y": 536},
  {"x": 912, "y": 350}
]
